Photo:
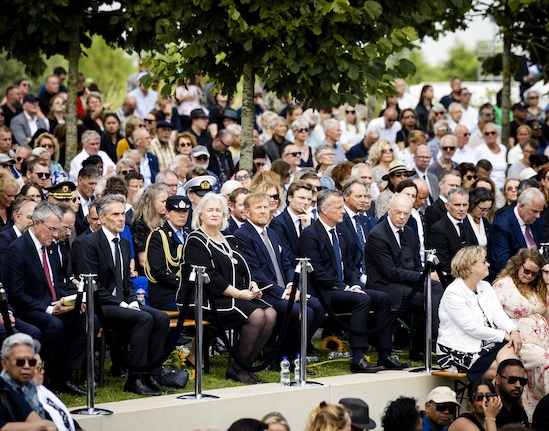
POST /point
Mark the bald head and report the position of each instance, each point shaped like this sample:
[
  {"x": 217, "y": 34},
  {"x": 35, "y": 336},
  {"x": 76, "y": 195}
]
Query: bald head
[
  {"x": 422, "y": 192},
  {"x": 400, "y": 209}
]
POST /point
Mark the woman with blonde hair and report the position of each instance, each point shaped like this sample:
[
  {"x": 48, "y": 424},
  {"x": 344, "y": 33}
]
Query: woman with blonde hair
[
  {"x": 329, "y": 417},
  {"x": 8, "y": 191},
  {"x": 414, "y": 139},
  {"x": 275, "y": 192},
  {"x": 352, "y": 125},
  {"x": 50, "y": 143},
  {"x": 380, "y": 157}
]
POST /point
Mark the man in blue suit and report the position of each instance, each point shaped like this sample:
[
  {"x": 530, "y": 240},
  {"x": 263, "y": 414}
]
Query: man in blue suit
[
  {"x": 296, "y": 216},
  {"x": 338, "y": 281},
  {"x": 519, "y": 228},
  {"x": 272, "y": 271},
  {"x": 37, "y": 295},
  {"x": 237, "y": 215}
]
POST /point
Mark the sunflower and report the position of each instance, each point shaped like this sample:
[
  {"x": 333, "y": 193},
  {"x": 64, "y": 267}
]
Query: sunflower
[
  {"x": 176, "y": 359},
  {"x": 332, "y": 343}
]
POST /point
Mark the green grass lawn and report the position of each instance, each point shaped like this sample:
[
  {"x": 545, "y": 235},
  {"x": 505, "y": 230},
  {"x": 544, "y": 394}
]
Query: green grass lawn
[{"x": 113, "y": 389}]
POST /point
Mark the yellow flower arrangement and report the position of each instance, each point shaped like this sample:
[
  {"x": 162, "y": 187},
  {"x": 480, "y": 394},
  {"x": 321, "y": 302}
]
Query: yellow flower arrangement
[{"x": 332, "y": 343}]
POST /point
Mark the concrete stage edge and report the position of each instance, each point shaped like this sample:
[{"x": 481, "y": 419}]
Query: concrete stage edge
[{"x": 167, "y": 413}]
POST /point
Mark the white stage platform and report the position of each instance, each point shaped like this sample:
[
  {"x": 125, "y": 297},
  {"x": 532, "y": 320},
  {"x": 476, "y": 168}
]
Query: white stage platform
[{"x": 167, "y": 413}]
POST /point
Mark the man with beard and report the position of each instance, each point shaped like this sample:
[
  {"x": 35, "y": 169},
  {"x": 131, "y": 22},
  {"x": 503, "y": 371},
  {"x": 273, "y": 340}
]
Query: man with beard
[
  {"x": 510, "y": 381},
  {"x": 440, "y": 409},
  {"x": 12, "y": 107}
]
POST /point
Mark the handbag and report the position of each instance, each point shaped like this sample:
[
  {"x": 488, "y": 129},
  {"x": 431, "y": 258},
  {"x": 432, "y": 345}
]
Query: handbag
[{"x": 174, "y": 378}]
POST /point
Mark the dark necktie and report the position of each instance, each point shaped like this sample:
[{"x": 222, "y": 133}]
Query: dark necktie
[
  {"x": 337, "y": 253},
  {"x": 461, "y": 233},
  {"x": 274, "y": 260},
  {"x": 118, "y": 270},
  {"x": 360, "y": 235},
  {"x": 429, "y": 199},
  {"x": 406, "y": 252},
  {"x": 48, "y": 275},
  {"x": 315, "y": 215}
]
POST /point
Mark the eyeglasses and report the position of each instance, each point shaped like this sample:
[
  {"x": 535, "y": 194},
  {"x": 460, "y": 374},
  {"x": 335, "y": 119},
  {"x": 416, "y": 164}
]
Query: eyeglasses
[
  {"x": 68, "y": 228},
  {"x": 407, "y": 117},
  {"x": 201, "y": 158},
  {"x": 484, "y": 210},
  {"x": 43, "y": 175},
  {"x": 47, "y": 145},
  {"x": 537, "y": 127},
  {"x": 440, "y": 113},
  {"x": 443, "y": 129},
  {"x": 220, "y": 140},
  {"x": 185, "y": 144},
  {"x": 489, "y": 133},
  {"x": 40, "y": 367},
  {"x": 74, "y": 200},
  {"x": 389, "y": 120},
  {"x": 450, "y": 408},
  {"x": 53, "y": 230},
  {"x": 147, "y": 121},
  {"x": 487, "y": 114},
  {"x": 296, "y": 154},
  {"x": 511, "y": 188},
  {"x": 448, "y": 148},
  {"x": 530, "y": 272},
  {"x": 126, "y": 171},
  {"x": 387, "y": 150},
  {"x": 514, "y": 379},
  {"x": 274, "y": 197},
  {"x": 172, "y": 186},
  {"x": 22, "y": 361},
  {"x": 533, "y": 97},
  {"x": 242, "y": 177},
  {"x": 350, "y": 112},
  {"x": 19, "y": 159},
  {"x": 480, "y": 397},
  {"x": 466, "y": 94},
  {"x": 471, "y": 177},
  {"x": 302, "y": 130}
]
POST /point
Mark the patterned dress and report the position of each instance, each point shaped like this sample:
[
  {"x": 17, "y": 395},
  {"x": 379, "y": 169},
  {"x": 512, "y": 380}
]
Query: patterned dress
[{"x": 528, "y": 315}]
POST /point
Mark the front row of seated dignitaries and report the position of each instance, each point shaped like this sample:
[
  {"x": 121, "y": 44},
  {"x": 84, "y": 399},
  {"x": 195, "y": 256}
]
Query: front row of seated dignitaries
[{"x": 107, "y": 254}]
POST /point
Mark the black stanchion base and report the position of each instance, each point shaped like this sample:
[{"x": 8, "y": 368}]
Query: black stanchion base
[
  {"x": 197, "y": 397},
  {"x": 424, "y": 370},
  {"x": 91, "y": 412},
  {"x": 306, "y": 383}
]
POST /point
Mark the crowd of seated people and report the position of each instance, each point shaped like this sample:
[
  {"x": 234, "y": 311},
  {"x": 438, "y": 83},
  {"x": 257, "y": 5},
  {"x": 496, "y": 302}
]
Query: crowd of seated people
[{"x": 158, "y": 188}]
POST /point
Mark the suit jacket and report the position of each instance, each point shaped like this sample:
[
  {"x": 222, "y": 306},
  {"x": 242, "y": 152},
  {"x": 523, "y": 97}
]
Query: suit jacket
[
  {"x": 283, "y": 225},
  {"x": 358, "y": 255},
  {"x": 444, "y": 238},
  {"x": 385, "y": 263},
  {"x": 153, "y": 165},
  {"x": 7, "y": 236},
  {"x": 233, "y": 226},
  {"x": 25, "y": 279},
  {"x": 263, "y": 271},
  {"x": 166, "y": 279},
  {"x": 434, "y": 213},
  {"x": 75, "y": 250},
  {"x": 507, "y": 238},
  {"x": 95, "y": 257},
  {"x": 21, "y": 130},
  {"x": 81, "y": 224},
  {"x": 315, "y": 244}
]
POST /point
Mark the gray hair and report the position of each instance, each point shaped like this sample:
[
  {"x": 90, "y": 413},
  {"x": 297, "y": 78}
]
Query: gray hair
[
  {"x": 40, "y": 150},
  {"x": 131, "y": 151},
  {"x": 454, "y": 105},
  {"x": 330, "y": 124},
  {"x": 176, "y": 161},
  {"x": 44, "y": 210},
  {"x": 321, "y": 148},
  {"x": 105, "y": 201},
  {"x": 440, "y": 124},
  {"x": 527, "y": 196},
  {"x": 125, "y": 162},
  {"x": 272, "y": 123},
  {"x": 458, "y": 191},
  {"x": 14, "y": 340},
  {"x": 197, "y": 212},
  {"x": 358, "y": 166},
  {"x": 324, "y": 196},
  {"x": 300, "y": 123},
  {"x": 88, "y": 135},
  {"x": 349, "y": 183},
  {"x": 234, "y": 128},
  {"x": 372, "y": 130},
  {"x": 161, "y": 176},
  {"x": 400, "y": 196},
  {"x": 448, "y": 138}
]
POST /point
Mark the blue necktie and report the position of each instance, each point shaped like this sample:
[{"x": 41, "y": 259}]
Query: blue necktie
[
  {"x": 315, "y": 215},
  {"x": 360, "y": 234},
  {"x": 180, "y": 236},
  {"x": 337, "y": 252}
]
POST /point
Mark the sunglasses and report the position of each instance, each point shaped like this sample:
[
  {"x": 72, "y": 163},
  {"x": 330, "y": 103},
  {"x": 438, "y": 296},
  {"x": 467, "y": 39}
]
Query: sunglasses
[
  {"x": 511, "y": 188},
  {"x": 489, "y": 133},
  {"x": 450, "y": 408},
  {"x": 6, "y": 165},
  {"x": 536, "y": 127},
  {"x": 296, "y": 154},
  {"x": 514, "y": 379},
  {"x": 480, "y": 397},
  {"x": 530, "y": 272},
  {"x": 274, "y": 197},
  {"x": 533, "y": 97},
  {"x": 471, "y": 177},
  {"x": 466, "y": 94},
  {"x": 75, "y": 200},
  {"x": 201, "y": 158},
  {"x": 126, "y": 171},
  {"x": 387, "y": 150},
  {"x": 407, "y": 117},
  {"x": 242, "y": 177},
  {"x": 440, "y": 113},
  {"x": 149, "y": 121},
  {"x": 448, "y": 148},
  {"x": 43, "y": 175},
  {"x": 302, "y": 130},
  {"x": 259, "y": 164},
  {"x": 487, "y": 114},
  {"x": 22, "y": 361},
  {"x": 350, "y": 112},
  {"x": 400, "y": 174},
  {"x": 47, "y": 145},
  {"x": 185, "y": 144}
]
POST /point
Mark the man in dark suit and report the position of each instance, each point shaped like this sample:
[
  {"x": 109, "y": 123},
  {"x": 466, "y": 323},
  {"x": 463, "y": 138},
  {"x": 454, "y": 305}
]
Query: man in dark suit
[
  {"x": 296, "y": 216},
  {"x": 451, "y": 233},
  {"x": 356, "y": 223},
  {"x": 273, "y": 272},
  {"x": 518, "y": 228},
  {"x": 337, "y": 278},
  {"x": 107, "y": 254},
  {"x": 394, "y": 266},
  {"x": 88, "y": 177},
  {"x": 448, "y": 181},
  {"x": 94, "y": 225},
  {"x": 37, "y": 296},
  {"x": 164, "y": 251},
  {"x": 237, "y": 215}
]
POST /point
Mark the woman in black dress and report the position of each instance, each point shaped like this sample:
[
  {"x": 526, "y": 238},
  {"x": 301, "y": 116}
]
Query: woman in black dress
[{"x": 237, "y": 297}]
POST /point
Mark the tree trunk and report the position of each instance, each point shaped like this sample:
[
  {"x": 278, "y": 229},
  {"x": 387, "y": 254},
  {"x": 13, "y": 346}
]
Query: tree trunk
[
  {"x": 247, "y": 143},
  {"x": 506, "y": 94},
  {"x": 72, "y": 118}
]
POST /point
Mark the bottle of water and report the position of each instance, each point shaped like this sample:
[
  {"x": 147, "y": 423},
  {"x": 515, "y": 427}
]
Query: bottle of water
[
  {"x": 140, "y": 294},
  {"x": 297, "y": 370},
  {"x": 285, "y": 371}
]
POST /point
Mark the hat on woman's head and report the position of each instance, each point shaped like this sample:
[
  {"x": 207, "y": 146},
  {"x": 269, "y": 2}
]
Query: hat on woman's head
[{"x": 395, "y": 167}]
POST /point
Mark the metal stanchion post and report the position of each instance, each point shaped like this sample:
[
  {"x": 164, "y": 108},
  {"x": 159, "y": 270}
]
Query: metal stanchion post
[
  {"x": 199, "y": 275},
  {"x": 90, "y": 289},
  {"x": 304, "y": 267},
  {"x": 431, "y": 260}
]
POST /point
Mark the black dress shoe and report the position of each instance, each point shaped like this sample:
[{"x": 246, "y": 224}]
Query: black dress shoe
[
  {"x": 69, "y": 387},
  {"x": 393, "y": 363},
  {"x": 152, "y": 383},
  {"x": 139, "y": 387},
  {"x": 363, "y": 366},
  {"x": 240, "y": 377}
]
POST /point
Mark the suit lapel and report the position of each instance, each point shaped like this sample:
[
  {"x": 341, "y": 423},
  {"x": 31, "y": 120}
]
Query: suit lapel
[
  {"x": 107, "y": 251},
  {"x": 517, "y": 231},
  {"x": 393, "y": 241},
  {"x": 36, "y": 257},
  {"x": 290, "y": 226},
  {"x": 323, "y": 235}
]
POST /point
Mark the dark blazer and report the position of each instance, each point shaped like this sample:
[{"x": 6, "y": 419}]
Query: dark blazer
[
  {"x": 215, "y": 164},
  {"x": 283, "y": 225},
  {"x": 434, "y": 213},
  {"x": 385, "y": 262},
  {"x": 25, "y": 280},
  {"x": 232, "y": 225},
  {"x": 75, "y": 250},
  {"x": 153, "y": 165},
  {"x": 354, "y": 246},
  {"x": 163, "y": 278},
  {"x": 507, "y": 238},
  {"x": 95, "y": 257},
  {"x": 254, "y": 250},
  {"x": 81, "y": 223},
  {"x": 315, "y": 244},
  {"x": 444, "y": 238},
  {"x": 274, "y": 150},
  {"x": 7, "y": 236}
]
